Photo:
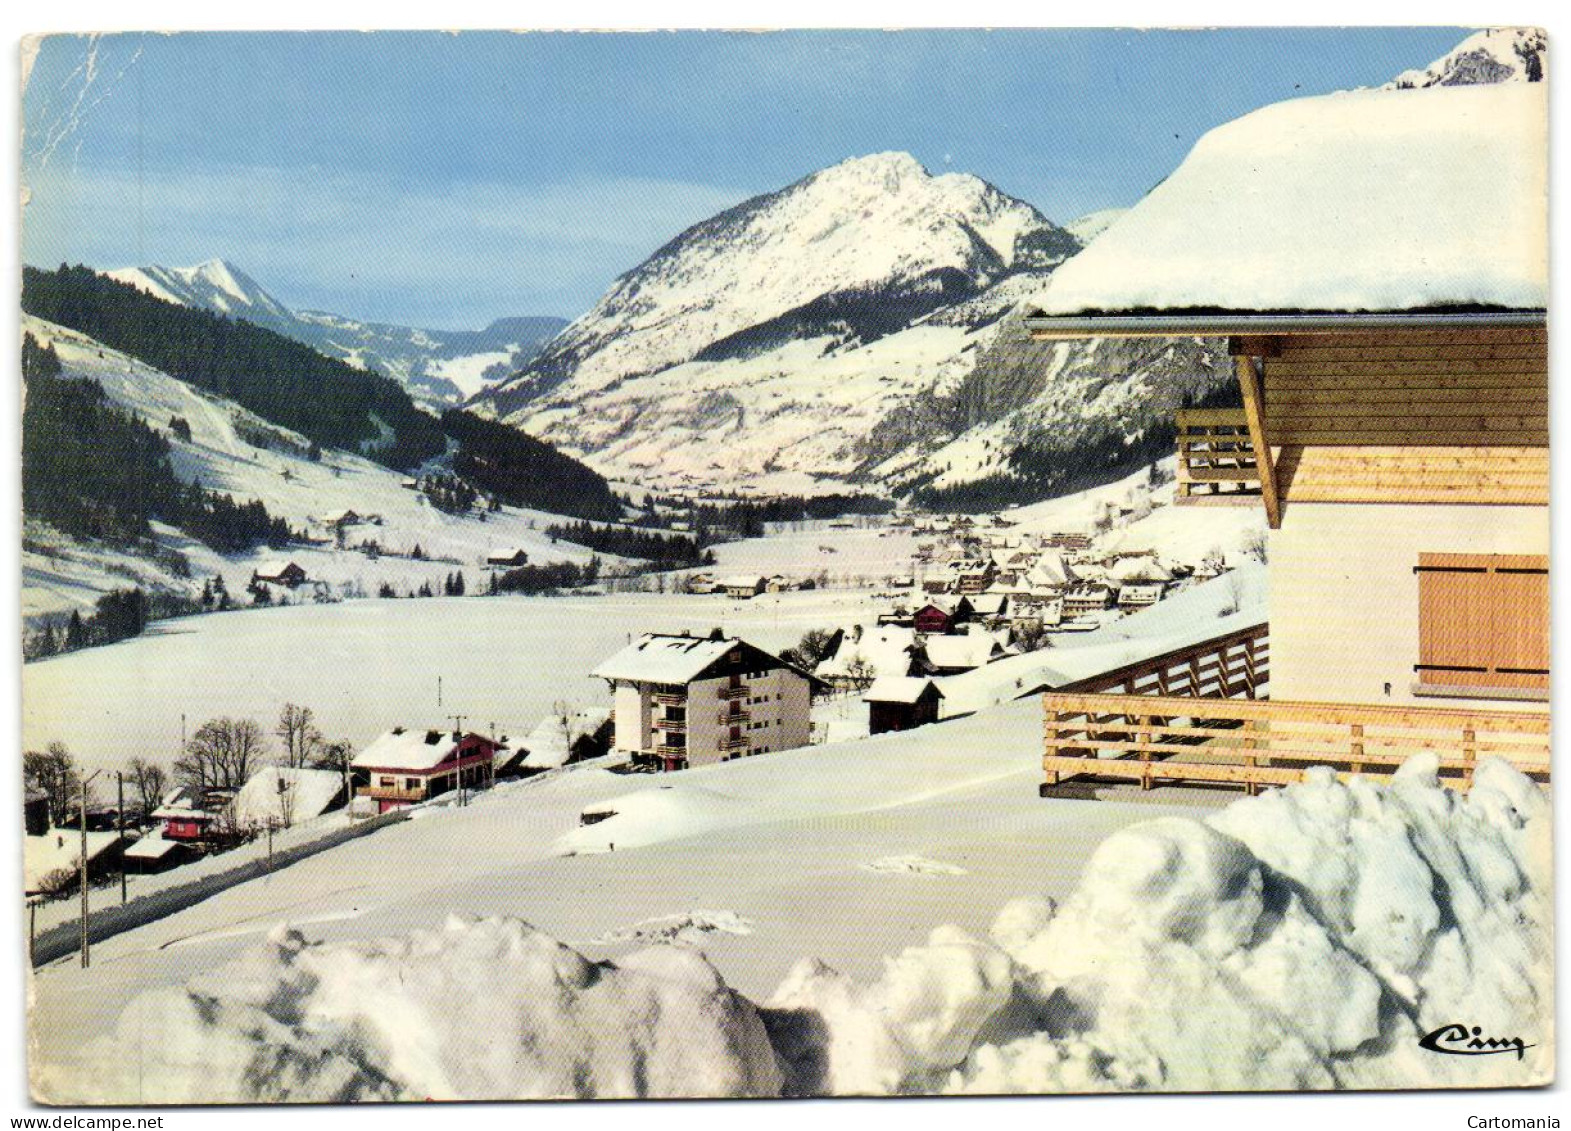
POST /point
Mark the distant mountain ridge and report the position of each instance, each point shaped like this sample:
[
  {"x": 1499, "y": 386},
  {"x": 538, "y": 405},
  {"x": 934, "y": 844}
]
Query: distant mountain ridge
[
  {"x": 855, "y": 327},
  {"x": 852, "y": 252},
  {"x": 1494, "y": 55},
  {"x": 439, "y": 368}
]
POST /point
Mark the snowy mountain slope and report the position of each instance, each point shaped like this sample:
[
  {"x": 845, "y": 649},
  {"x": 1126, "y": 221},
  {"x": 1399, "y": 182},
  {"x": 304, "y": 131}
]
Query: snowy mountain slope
[
  {"x": 440, "y": 368},
  {"x": 852, "y": 329},
  {"x": 1491, "y": 56},
  {"x": 1086, "y": 228},
  {"x": 59, "y": 574},
  {"x": 852, "y": 252}
]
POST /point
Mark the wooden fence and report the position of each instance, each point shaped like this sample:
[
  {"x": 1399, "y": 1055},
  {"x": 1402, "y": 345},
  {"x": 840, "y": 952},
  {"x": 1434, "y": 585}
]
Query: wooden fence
[
  {"x": 1216, "y": 458},
  {"x": 1151, "y": 739}
]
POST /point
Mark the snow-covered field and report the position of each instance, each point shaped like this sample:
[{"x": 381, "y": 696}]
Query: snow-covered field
[
  {"x": 938, "y": 928},
  {"x": 287, "y": 483},
  {"x": 365, "y": 666}
]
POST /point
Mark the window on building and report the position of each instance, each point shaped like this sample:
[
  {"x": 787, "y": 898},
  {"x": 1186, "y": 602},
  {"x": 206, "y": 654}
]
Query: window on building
[
  {"x": 389, "y": 783},
  {"x": 411, "y": 783},
  {"x": 1483, "y": 621}
]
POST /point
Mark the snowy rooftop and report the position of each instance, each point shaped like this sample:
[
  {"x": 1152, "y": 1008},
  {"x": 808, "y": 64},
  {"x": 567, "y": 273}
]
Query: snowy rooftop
[
  {"x": 657, "y": 658},
  {"x": 1373, "y": 201},
  {"x": 151, "y": 847},
  {"x": 60, "y": 849},
  {"x": 969, "y": 651},
  {"x": 406, "y": 750},
  {"x": 286, "y": 795},
  {"x": 897, "y": 689}
]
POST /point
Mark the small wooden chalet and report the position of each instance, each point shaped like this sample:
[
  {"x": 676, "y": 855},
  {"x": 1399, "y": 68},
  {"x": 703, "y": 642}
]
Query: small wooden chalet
[
  {"x": 900, "y": 703},
  {"x": 1381, "y": 284},
  {"x": 941, "y": 617},
  {"x": 285, "y": 573},
  {"x": 743, "y": 587},
  {"x": 510, "y": 557},
  {"x": 404, "y": 767}
]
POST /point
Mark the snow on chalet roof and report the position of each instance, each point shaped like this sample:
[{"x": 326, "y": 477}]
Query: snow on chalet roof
[
  {"x": 658, "y": 658},
  {"x": 1365, "y": 201},
  {"x": 60, "y": 849},
  {"x": 306, "y": 794},
  {"x": 272, "y": 569},
  {"x": 897, "y": 689},
  {"x": 886, "y": 650},
  {"x": 406, "y": 750},
  {"x": 969, "y": 651},
  {"x": 151, "y": 847}
]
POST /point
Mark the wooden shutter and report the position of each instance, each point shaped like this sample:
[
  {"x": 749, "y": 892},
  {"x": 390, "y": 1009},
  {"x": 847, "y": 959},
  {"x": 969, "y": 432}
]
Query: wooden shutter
[{"x": 1483, "y": 620}]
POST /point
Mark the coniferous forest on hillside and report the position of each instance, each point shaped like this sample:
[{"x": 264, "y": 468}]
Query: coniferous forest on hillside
[
  {"x": 94, "y": 471},
  {"x": 277, "y": 378}
]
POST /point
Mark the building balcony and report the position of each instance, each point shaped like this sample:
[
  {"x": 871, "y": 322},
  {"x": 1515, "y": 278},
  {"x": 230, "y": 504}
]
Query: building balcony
[
  {"x": 1216, "y": 458},
  {"x": 670, "y": 698},
  {"x": 733, "y": 745},
  {"x": 733, "y": 692},
  {"x": 734, "y": 718},
  {"x": 392, "y": 793},
  {"x": 670, "y": 722},
  {"x": 664, "y": 751},
  {"x": 1148, "y": 739}
]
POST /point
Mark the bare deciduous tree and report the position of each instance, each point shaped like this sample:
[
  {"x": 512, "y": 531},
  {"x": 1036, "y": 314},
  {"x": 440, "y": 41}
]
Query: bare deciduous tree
[
  {"x": 220, "y": 755},
  {"x": 150, "y": 781},
  {"x": 297, "y": 730},
  {"x": 53, "y": 772}
]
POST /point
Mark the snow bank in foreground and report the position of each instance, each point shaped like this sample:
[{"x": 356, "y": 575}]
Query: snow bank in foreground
[{"x": 1308, "y": 938}]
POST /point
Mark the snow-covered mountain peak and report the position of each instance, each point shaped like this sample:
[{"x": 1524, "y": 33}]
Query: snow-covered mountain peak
[
  {"x": 214, "y": 285},
  {"x": 847, "y": 254},
  {"x": 1494, "y": 55}
]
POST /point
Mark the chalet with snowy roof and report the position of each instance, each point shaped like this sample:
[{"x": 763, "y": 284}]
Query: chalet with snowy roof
[
  {"x": 901, "y": 703},
  {"x": 282, "y": 796},
  {"x": 682, "y": 701},
  {"x": 336, "y": 519},
  {"x": 1134, "y": 595},
  {"x": 742, "y": 587},
  {"x": 188, "y": 820},
  {"x": 1087, "y": 598},
  {"x": 405, "y": 767},
  {"x": 286, "y": 573},
  {"x": 951, "y": 655},
  {"x": 1377, "y": 263},
  {"x": 937, "y": 618},
  {"x": 970, "y": 576},
  {"x": 864, "y": 654},
  {"x": 156, "y": 852},
  {"x": 508, "y": 557},
  {"x": 51, "y": 862}
]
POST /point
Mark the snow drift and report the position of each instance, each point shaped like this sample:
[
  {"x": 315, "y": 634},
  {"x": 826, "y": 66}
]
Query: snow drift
[{"x": 1308, "y": 938}]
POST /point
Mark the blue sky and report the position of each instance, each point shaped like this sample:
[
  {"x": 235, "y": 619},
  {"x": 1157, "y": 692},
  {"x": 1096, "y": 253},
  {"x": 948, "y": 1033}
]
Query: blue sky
[{"x": 445, "y": 180}]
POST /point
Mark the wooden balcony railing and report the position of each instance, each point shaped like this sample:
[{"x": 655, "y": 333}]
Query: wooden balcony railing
[
  {"x": 733, "y": 691},
  {"x": 1151, "y": 739},
  {"x": 734, "y": 718},
  {"x": 670, "y": 698},
  {"x": 1216, "y": 458},
  {"x": 392, "y": 793},
  {"x": 1233, "y": 666}
]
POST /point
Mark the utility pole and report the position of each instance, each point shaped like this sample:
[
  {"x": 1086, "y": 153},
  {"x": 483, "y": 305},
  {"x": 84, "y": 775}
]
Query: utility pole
[
  {"x": 86, "y": 956},
  {"x": 120, "y": 820},
  {"x": 439, "y": 693},
  {"x": 458, "y": 739}
]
